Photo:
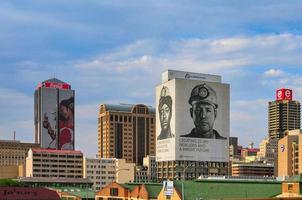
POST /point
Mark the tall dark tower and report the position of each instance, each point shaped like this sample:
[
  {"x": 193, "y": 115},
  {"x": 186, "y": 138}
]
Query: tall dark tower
[
  {"x": 54, "y": 115},
  {"x": 284, "y": 114}
]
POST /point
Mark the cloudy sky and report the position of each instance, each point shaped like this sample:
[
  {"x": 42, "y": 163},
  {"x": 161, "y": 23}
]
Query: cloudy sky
[{"x": 105, "y": 48}]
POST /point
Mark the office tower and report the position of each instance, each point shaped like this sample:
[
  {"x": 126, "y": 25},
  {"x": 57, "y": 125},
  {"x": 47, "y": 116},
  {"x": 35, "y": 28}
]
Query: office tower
[
  {"x": 192, "y": 125},
  {"x": 54, "y": 115},
  {"x": 283, "y": 114},
  {"x": 126, "y": 131}
]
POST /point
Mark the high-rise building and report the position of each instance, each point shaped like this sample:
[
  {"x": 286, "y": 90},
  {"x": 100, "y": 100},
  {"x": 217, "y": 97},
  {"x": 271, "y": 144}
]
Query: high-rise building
[
  {"x": 126, "y": 131},
  {"x": 283, "y": 114},
  {"x": 192, "y": 125},
  {"x": 54, "y": 115}
]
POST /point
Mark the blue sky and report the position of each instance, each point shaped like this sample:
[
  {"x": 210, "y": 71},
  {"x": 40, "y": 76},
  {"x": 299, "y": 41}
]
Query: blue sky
[{"x": 105, "y": 48}]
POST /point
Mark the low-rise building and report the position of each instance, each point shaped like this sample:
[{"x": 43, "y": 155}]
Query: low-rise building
[
  {"x": 149, "y": 164},
  {"x": 253, "y": 169},
  {"x": 206, "y": 189},
  {"x": 67, "y": 188},
  {"x": 13, "y": 155},
  {"x": 54, "y": 163},
  {"x": 128, "y": 191},
  {"x": 104, "y": 171},
  {"x": 290, "y": 154}
]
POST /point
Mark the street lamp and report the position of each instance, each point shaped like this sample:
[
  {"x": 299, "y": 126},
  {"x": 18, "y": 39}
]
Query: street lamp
[
  {"x": 183, "y": 178},
  {"x": 182, "y": 184}
]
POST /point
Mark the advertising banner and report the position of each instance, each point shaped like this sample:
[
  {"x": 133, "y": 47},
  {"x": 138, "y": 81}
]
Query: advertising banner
[
  {"x": 49, "y": 118},
  {"x": 66, "y": 120},
  {"x": 192, "y": 121}
]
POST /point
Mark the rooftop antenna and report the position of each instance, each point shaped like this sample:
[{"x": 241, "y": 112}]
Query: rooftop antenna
[{"x": 14, "y": 135}]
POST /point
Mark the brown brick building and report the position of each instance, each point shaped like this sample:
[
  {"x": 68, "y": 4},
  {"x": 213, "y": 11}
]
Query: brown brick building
[{"x": 126, "y": 131}]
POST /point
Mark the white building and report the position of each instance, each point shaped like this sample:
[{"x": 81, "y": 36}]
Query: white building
[{"x": 107, "y": 170}]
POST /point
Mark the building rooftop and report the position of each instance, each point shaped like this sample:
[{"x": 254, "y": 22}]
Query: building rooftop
[
  {"x": 217, "y": 189},
  {"x": 77, "y": 191},
  {"x": 152, "y": 188},
  {"x": 53, "y": 180},
  {"x": 38, "y": 150},
  {"x": 296, "y": 178},
  {"x": 54, "y": 80},
  {"x": 125, "y": 108}
]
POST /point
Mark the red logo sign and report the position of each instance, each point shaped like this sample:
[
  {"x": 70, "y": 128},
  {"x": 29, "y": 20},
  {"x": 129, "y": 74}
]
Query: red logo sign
[
  {"x": 56, "y": 85},
  {"x": 284, "y": 94}
]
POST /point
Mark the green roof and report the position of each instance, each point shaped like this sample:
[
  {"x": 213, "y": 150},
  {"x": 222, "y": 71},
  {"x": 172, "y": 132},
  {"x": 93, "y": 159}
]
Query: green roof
[
  {"x": 81, "y": 192},
  {"x": 10, "y": 182},
  {"x": 228, "y": 189},
  {"x": 152, "y": 188},
  {"x": 296, "y": 178}
]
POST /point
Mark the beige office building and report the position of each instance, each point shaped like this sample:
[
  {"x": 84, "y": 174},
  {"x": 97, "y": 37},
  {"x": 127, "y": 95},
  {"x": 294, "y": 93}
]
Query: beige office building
[
  {"x": 290, "y": 154},
  {"x": 107, "y": 170},
  {"x": 268, "y": 150},
  {"x": 126, "y": 131},
  {"x": 54, "y": 163},
  {"x": 12, "y": 157},
  {"x": 13, "y": 153}
]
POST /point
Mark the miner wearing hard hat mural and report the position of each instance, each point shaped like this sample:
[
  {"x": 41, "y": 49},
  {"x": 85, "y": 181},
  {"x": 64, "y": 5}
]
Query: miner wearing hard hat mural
[
  {"x": 203, "y": 101},
  {"x": 165, "y": 114}
]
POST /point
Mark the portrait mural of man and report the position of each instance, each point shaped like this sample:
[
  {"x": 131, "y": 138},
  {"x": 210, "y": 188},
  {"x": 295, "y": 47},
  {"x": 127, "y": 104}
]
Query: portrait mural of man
[
  {"x": 203, "y": 102},
  {"x": 165, "y": 114}
]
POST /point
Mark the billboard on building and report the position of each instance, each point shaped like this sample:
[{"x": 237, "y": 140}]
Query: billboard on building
[
  {"x": 66, "y": 120},
  {"x": 168, "y": 188},
  {"x": 175, "y": 74},
  {"x": 192, "y": 120},
  {"x": 49, "y": 117}
]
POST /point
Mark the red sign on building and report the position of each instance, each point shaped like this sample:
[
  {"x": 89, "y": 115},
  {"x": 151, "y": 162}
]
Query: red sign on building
[
  {"x": 24, "y": 193},
  {"x": 284, "y": 94}
]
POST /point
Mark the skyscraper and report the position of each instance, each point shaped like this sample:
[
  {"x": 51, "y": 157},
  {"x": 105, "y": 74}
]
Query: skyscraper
[
  {"x": 54, "y": 115},
  {"x": 126, "y": 131},
  {"x": 283, "y": 114}
]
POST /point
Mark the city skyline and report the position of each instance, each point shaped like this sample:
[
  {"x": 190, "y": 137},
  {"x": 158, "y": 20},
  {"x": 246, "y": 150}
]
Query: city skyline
[{"x": 103, "y": 49}]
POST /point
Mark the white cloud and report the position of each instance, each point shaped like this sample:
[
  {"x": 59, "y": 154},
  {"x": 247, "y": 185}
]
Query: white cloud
[
  {"x": 274, "y": 73},
  {"x": 202, "y": 54}
]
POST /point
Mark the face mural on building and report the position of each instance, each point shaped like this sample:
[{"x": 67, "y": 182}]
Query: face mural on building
[
  {"x": 165, "y": 114},
  {"x": 203, "y": 110},
  {"x": 66, "y": 123}
]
